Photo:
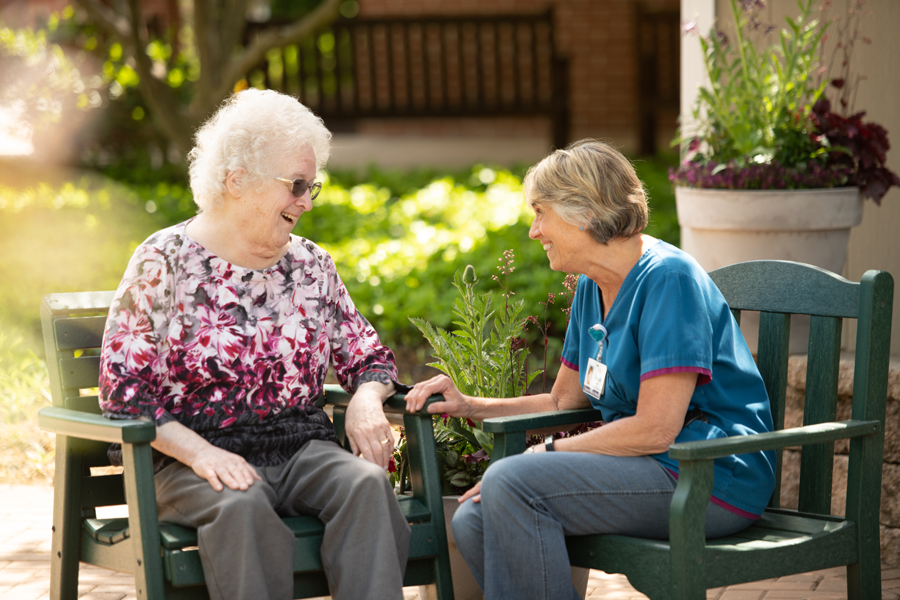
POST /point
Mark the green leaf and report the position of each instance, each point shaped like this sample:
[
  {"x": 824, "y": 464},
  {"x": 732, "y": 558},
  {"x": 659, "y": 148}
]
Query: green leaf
[{"x": 485, "y": 440}]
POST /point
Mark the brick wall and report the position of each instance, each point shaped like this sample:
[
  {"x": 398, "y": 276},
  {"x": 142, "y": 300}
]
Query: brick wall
[
  {"x": 890, "y": 483},
  {"x": 598, "y": 38}
]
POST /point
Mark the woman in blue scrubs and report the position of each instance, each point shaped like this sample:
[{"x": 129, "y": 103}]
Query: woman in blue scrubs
[{"x": 652, "y": 344}]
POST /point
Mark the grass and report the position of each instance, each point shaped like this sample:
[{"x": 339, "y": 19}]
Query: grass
[{"x": 26, "y": 452}]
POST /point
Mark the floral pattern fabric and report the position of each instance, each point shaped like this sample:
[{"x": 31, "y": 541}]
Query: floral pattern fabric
[{"x": 237, "y": 355}]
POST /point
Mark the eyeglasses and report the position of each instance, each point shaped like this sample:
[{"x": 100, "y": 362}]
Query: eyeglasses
[{"x": 300, "y": 186}]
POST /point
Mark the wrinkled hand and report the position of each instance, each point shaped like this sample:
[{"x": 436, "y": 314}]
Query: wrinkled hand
[
  {"x": 368, "y": 429},
  {"x": 219, "y": 466},
  {"x": 455, "y": 404},
  {"x": 474, "y": 494}
]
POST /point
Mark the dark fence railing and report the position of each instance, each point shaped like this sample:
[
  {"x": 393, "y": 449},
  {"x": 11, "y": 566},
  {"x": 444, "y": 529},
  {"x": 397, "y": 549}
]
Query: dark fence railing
[
  {"x": 659, "y": 68},
  {"x": 477, "y": 66}
]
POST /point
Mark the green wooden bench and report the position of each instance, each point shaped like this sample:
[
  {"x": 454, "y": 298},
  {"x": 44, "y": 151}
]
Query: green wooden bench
[
  {"x": 782, "y": 542},
  {"x": 164, "y": 557}
]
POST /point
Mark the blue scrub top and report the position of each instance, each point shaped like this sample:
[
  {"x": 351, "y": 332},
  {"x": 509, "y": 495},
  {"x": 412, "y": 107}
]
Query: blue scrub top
[{"x": 669, "y": 316}]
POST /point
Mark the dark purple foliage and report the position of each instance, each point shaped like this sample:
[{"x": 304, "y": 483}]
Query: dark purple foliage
[
  {"x": 859, "y": 147},
  {"x": 477, "y": 457},
  {"x": 855, "y": 156}
]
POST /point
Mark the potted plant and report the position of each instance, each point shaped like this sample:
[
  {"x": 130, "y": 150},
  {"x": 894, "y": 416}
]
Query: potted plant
[
  {"x": 485, "y": 356},
  {"x": 768, "y": 170}
]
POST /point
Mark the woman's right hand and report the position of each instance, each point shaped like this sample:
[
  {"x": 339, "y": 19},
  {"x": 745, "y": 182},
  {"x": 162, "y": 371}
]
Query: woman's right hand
[
  {"x": 474, "y": 493},
  {"x": 455, "y": 403},
  {"x": 219, "y": 466}
]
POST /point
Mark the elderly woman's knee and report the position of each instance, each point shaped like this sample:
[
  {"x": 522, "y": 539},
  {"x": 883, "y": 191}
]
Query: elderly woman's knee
[
  {"x": 245, "y": 505},
  {"x": 368, "y": 477}
]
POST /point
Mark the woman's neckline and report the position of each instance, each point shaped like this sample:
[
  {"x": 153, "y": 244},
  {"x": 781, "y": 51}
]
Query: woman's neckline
[{"x": 231, "y": 265}]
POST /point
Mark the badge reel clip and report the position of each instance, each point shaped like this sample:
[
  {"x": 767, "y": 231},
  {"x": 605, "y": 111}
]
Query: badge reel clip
[{"x": 595, "y": 379}]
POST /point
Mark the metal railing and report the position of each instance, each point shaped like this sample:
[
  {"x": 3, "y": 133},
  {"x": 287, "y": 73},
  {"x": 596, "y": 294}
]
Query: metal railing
[{"x": 448, "y": 66}]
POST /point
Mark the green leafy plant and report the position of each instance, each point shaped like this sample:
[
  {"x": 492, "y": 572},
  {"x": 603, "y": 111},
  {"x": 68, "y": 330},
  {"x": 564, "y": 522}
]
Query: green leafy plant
[
  {"x": 486, "y": 355},
  {"x": 764, "y": 122},
  {"x": 757, "y": 105}
]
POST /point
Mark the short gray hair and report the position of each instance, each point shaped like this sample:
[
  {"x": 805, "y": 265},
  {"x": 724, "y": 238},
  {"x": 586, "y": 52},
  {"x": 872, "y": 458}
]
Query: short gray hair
[
  {"x": 591, "y": 184},
  {"x": 250, "y": 131}
]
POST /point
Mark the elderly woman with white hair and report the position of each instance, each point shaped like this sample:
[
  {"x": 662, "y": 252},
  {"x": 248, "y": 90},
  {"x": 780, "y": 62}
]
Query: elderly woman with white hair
[
  {"x": 221, "y": 333},
  {"x": 652, "y": 344}
]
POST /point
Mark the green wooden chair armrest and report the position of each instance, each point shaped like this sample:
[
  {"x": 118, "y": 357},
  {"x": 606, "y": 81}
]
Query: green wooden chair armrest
[
  {"x": 94, "y": 427},
  {"x": 527, "y": 422},
  {"x": 798, "y": 436},
  {"x": 336, "y": 396}
]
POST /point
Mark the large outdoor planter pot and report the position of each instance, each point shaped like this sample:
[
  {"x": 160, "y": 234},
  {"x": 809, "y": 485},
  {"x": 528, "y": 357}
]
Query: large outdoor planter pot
[
  {"x": 723, "y": 227},
  {"x": 464, "y": 585}
]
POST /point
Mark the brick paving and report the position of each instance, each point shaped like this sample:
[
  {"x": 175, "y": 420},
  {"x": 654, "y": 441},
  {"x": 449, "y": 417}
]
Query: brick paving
[{"x": 26, "y": 516}]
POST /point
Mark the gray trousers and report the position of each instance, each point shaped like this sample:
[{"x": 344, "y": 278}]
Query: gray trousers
[{"x": 248, "y": 552}]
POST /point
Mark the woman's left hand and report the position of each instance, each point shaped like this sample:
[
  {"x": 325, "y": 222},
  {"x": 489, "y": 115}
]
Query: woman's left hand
[{"x": 366, "y": 427}]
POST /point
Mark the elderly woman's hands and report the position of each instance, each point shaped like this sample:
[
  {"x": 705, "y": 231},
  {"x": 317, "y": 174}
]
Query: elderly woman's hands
[
  {"x": 215, "y": 465},
  {"x": 367, "y": 428},
  {"x": 219, "y": 466},
  {"x": 454, "y": 404}
]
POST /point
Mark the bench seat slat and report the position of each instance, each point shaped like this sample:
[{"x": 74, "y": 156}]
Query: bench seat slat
[
  {"x": 176, "y": 537},
  {"x": 181, "y": 559}
]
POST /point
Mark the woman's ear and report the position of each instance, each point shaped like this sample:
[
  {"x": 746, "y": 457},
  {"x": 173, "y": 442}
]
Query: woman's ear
[{"x": 234, "y": 182}]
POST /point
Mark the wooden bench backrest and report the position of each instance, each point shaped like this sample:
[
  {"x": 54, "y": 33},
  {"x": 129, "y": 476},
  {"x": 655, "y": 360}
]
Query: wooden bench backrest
[
  {"x": 828, "y": 299},
  {"x": 73, "y": 327}
]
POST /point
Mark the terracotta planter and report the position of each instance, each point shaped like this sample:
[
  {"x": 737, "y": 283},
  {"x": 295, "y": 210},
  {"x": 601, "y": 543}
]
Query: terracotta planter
[
  {"x": 723, "y": 227},
  {"x": 464, "y": 585}
]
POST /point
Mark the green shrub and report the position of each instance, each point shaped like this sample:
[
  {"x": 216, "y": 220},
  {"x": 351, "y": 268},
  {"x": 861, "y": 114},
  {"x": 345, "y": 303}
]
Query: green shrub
[{"x": 397, "y": 239}]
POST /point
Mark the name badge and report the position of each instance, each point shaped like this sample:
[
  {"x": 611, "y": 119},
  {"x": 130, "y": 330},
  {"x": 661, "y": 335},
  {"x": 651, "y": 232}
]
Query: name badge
[{"x": 595, "y": 379}]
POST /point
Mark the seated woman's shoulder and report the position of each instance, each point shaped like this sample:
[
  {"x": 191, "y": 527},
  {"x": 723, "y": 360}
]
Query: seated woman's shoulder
[
  {"x": 164, "y": 239},
  {"x": 304, "y": 250},
  {"x": 673, "y": 260}
]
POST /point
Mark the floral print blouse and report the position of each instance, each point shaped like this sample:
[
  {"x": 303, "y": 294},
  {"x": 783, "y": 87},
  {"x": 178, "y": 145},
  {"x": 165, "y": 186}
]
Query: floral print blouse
[{"x": 237, "y": 355}]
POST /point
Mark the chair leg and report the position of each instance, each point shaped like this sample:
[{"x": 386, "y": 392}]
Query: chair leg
[
  {"x": 864, "y": 577},
  {"x": 143, "y": 522},
  {"x": 66, "y": 540}
]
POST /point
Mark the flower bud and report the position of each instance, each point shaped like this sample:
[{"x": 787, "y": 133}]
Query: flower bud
[{"x": 469, "y": 277}]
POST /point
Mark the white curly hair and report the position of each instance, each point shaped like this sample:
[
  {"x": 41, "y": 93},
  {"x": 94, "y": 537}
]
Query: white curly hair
[{"x": 251, "y": 131}]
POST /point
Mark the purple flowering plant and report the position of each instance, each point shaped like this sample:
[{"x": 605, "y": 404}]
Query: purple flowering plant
[
  {"x": 764, "y": 121},
  {"x": 485, "y": 355}
]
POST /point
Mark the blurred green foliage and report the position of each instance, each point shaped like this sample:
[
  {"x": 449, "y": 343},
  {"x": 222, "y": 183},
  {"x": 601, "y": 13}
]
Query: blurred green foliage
[{"x": 397, "y": 238}]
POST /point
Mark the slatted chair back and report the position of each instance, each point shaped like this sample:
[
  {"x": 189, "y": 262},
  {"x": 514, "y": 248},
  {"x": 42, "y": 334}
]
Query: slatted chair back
[
  {"x": 828, "y": 299},
  {"x": 73, "y": 326}
]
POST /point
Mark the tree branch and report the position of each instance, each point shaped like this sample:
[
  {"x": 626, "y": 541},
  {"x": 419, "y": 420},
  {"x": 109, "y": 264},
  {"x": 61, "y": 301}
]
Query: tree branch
[
  {"x": 234, "y": 22},
  {"x": 113, "y": 24},
  {"x": 159, "y": 96},
  {"x": 256, "y": 51},
  {"x": 208, "y": 65}
]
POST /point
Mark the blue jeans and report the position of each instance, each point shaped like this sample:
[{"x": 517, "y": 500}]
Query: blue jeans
[{"x": 514, "y": 539}]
